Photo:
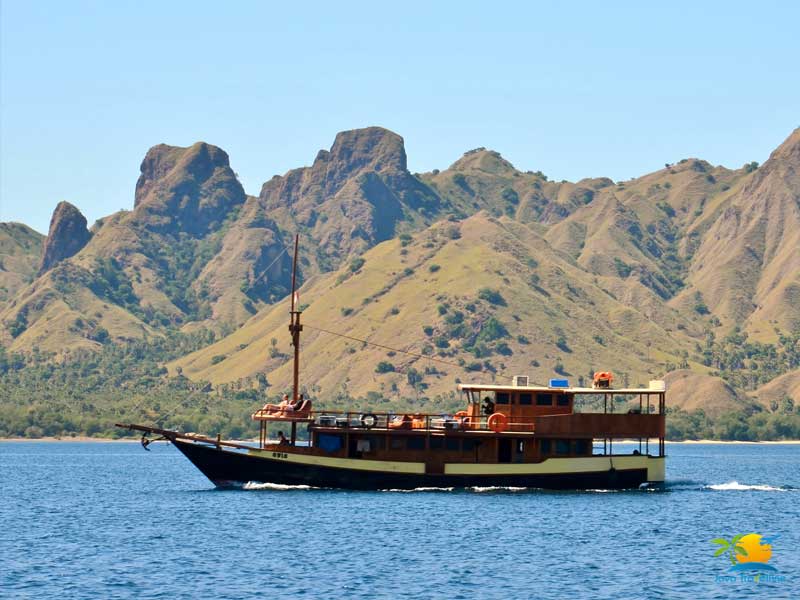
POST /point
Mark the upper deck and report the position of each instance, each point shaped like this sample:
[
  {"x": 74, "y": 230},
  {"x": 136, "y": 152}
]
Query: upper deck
[
  {"x": 485, "y": 387},
  {"x": 526, "y": 401}
]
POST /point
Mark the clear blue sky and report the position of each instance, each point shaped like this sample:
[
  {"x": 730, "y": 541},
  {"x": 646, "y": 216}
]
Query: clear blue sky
[{"x": 573, "y": 89}]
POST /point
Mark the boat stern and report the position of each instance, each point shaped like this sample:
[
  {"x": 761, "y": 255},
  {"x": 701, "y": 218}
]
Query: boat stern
[{"x": 656, "y": 470}]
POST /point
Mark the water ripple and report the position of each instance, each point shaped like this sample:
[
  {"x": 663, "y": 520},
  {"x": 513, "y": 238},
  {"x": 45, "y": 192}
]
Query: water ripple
[{"x": 97, "y": 521}]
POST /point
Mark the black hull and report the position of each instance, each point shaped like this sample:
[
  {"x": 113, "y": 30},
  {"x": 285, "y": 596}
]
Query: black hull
[{"x": 227, "y": 468}]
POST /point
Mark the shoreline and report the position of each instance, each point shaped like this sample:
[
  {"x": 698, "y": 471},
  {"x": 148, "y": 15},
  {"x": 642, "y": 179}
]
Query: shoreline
[
  {"x": 85, "y": 439},
  {"x": 700, "y": 442}
]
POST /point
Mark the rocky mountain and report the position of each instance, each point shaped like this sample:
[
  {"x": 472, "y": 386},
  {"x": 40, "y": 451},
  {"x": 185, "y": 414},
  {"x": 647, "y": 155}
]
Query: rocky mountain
[
  {"x": 67, "y": 236},
  {"x": 353, "y": 196},
  {"x": 485, "y": 270},
  {"x": 187, "y": 190},
  {"x": 138, "y": 274},
  {"x": 196, "y": 251}
]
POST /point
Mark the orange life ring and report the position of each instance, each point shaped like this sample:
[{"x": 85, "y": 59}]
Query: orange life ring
[
  {"x": 462, "y": 417},
  {"x": 498, "y": 422}
]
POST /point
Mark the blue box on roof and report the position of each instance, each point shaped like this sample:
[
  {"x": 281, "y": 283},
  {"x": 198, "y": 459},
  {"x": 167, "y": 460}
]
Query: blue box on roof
[{"x": 559, "y": 383}]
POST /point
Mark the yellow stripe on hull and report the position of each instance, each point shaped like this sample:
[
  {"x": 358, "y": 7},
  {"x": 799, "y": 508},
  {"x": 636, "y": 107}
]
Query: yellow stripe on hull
[
  {"x": 358, "y": 464},
  {"x": 564, "y": 466},
  {"x": 551, "y": 466}
]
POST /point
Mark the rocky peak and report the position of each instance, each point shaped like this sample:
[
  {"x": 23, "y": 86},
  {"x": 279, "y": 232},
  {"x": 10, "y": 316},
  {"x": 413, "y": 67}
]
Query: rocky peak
[
  {"x": 67, "y": 235},
  {"x": 354, "y": 152},
  {"x": 353, "y": 195},
  {"x": 481, "y": 159},
  {"x": 158, "y": 161},
  {"x": 789, "y": 149},
  {"x": 190, "y": 188},
  {"x": 374, "y": 148},
  {"x": 780, "y": 172}
]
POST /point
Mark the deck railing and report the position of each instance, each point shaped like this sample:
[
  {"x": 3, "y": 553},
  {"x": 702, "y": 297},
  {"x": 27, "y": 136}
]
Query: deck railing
[
  {"x": 400, "y": 421},
  {"x": 632, "y": 425}
]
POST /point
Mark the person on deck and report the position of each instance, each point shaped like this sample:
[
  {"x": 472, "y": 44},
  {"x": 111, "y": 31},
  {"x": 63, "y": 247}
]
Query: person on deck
[
  {"x": 276, "y": 408},
  {"x": 292, "y": 407},
  {"x": 283, "y": 440}
]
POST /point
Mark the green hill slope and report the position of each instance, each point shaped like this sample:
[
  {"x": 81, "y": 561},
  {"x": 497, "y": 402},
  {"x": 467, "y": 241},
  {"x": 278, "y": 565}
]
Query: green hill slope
[
  {"x": 20, "y": 253},
  {"x": 479, "y": 271},
  {"x": 488, "y": 296}
]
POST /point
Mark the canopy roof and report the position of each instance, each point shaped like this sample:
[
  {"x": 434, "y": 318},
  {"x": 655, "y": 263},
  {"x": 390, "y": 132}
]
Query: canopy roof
[{"x": 488, "y": 387}]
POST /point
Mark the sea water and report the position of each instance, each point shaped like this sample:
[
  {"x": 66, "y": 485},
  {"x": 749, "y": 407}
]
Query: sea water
[{"x": 108, "y": 520}]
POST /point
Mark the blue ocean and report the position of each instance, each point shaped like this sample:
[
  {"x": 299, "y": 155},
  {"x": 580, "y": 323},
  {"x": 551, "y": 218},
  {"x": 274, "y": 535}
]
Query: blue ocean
[{"x": 108, "y": 520}]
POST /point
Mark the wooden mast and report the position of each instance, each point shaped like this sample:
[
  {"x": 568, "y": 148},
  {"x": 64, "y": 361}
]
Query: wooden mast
[
  {"x": 295, "y": 328},
  {"x": 294, "y": 325}
]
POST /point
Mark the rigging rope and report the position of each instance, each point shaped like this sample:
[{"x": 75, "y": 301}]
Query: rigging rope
[
  {"x": 414, "y": 354},
  {"x": 342, "y": 335},
  {"x": 183, "y": 404},
  {"x": 264, "y": 272},
  {"x": 194, "y": 394},
  {"x": 355, "y": 339}
]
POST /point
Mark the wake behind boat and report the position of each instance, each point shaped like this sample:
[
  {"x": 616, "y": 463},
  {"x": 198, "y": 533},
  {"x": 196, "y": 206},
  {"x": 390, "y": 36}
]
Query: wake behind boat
[{"x": 517, "y": 435}]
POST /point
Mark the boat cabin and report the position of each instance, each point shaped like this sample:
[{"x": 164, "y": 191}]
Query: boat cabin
[{"x": 499, "y": 424}]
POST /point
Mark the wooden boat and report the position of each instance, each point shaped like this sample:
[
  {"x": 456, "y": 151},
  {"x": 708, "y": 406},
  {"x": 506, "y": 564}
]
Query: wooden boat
[{"x": 517, "y": 435}]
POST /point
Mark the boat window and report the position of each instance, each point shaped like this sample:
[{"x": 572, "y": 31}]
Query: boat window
[
  {"x": 526, "y": 399},
  {"x": 453, "y": 443},
  {"x": 562, "y": 446},
  {"x": 562, "y": 400},
  {"x": 376, "y": 442},
  {"x": 545, "y": 447},
  {"x": 329, "y": 442},
  {"x": 397, "y": 443},
  {"x": 437, "y": 443},
  {"x": 415, "y": 443},
  {"x": 469, "y": 444},
  {"x": 503, "y": 398},
  {"x": 544, "y": 399},
  {"x": 581, "y": 446}
]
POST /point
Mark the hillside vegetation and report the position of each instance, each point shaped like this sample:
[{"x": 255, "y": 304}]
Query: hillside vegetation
[
  {"x": 410, "y": 284},
  {"x": 20, "y": 253}
]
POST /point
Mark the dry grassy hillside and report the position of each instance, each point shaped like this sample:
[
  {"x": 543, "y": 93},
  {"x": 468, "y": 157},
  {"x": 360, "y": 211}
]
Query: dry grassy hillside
[
  {"x": 642, "y": 231},
  {"x": 772, "y": 394},
  {"x": 483, "y": 180},
  {"x": 748, "y": 263},
  {"x": 429, "y": 297},
  {"x": 20, "y": 253},
  {"x": 59, "y": 311},
  {"x": 691, "y": 391}
]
